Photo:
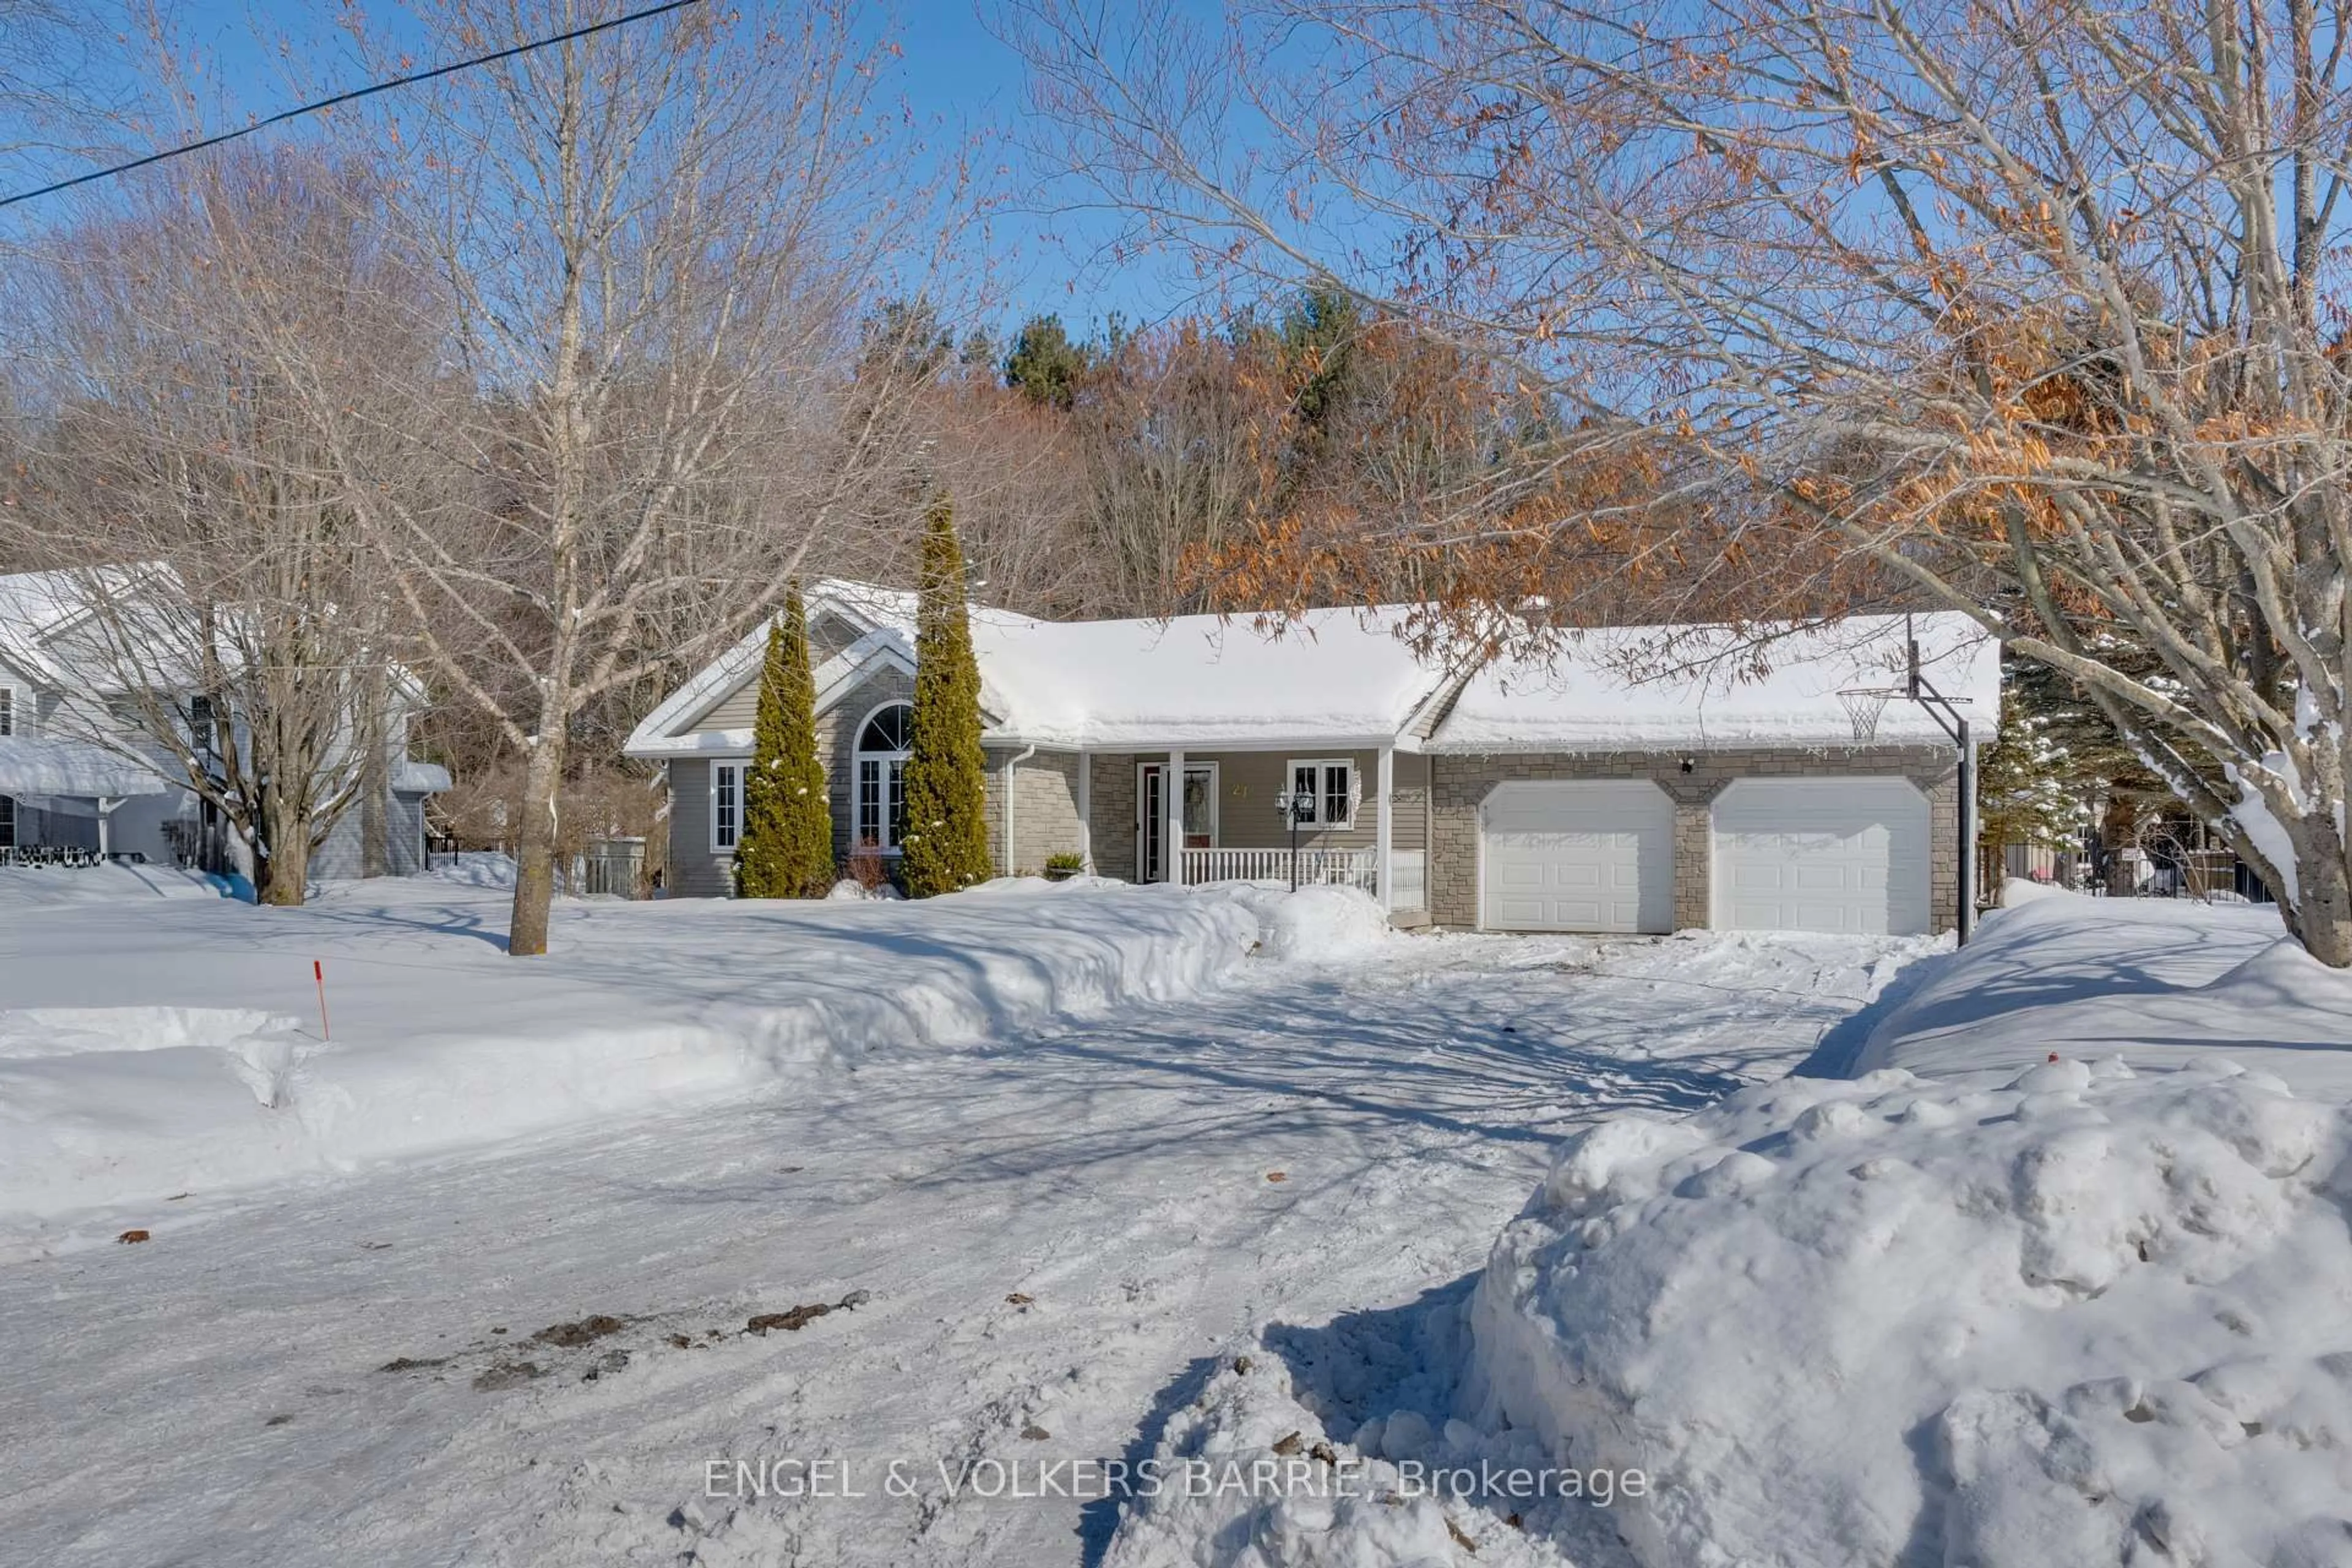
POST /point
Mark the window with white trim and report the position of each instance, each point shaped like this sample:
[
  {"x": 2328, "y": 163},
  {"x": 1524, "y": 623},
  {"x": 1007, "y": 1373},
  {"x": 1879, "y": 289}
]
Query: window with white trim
[
  {"x": 880, "y": 810},
  {"x": 726, "y": 803},
  {"x": 1330, "y": 785},
  {"x": 7, "y": 710},
  {"x": 8, "y": 822}
]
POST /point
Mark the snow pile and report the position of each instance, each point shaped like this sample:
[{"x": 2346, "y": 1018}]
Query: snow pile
[
  {"x": 2160, "y": 981},
  {"x": 2084, "y": 1317},
  {"x": 849, "y": 889},
  {"x": 2081, "y": 1316},
  {"x": 1317, "y": 925},
  {"x": 1273, "y": 1465}
]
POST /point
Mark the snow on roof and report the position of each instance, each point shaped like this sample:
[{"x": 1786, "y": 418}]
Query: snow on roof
[
  {"x": 45, "y": 767},
  {"x": 871, "y": 603},
  {"x": 1333, "y": 675},
  {"x": 35, "y": 602},
  {"x": 1728, "y": 688},
  {"x": 1342, "y": 677},
  {"x": 412, "y": 778},
  {"x": 887, "y": 614}
]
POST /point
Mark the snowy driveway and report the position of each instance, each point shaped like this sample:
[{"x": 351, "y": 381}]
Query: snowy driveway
[{"x": 221, "y": 1396}]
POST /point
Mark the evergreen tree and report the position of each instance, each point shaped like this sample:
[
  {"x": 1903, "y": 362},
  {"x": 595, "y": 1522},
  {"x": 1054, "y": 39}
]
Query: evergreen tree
[
  {"x": 1319, "y": 336},
  {"x": 945, "y": 845},
  {"x": 785, "y": 850},
  {"x": 1044, "y": 365},
  {"x": 2029, "y": 790}
]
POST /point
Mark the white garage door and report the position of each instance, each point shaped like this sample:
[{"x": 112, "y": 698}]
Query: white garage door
[
  {"x": 1578, "y": 856},
  {"x": 1841, "y": 855}
]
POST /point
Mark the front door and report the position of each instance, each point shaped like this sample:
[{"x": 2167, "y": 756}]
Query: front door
[{"x": 1151, "y": 805}]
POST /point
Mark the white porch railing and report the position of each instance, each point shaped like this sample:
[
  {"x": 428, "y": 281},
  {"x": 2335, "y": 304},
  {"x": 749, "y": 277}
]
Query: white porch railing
[{"x": 1339, "y": 867}]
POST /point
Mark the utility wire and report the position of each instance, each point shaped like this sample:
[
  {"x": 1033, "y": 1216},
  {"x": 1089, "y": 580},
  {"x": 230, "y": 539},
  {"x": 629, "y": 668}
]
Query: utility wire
[{"x": 385, "y": 86}]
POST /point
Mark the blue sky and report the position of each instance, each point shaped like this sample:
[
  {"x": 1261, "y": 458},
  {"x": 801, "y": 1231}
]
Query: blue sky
[{"x": 954, "y": 74}]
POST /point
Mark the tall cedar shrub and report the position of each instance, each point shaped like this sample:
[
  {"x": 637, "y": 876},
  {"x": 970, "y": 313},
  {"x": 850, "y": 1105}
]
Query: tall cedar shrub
[
  {"x": 945, "y": 843},
  {"x": 786, "y": 848}
]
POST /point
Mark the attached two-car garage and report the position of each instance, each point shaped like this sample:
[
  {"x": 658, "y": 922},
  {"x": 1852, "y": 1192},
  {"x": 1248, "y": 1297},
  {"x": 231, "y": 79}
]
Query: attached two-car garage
[{"x": 1787, "y": 854}]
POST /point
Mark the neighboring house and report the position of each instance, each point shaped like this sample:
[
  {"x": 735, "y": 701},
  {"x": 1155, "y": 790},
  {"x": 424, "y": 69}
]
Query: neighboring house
[
  {"x": 66, "y": 781},
  {"x": 1556, "y": 797}
]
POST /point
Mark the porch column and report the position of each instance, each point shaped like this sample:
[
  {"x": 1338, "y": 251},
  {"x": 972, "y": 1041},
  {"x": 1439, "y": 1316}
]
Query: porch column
[
  {"x": 1383, "y": 883},
  {"x": 1086, "y": 810},
  {"x": 1172, "y": 802},
  {"x": 106, "y": 809}
]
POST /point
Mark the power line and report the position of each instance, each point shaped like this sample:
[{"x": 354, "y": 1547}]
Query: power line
[{"x": 385, "y": 86}]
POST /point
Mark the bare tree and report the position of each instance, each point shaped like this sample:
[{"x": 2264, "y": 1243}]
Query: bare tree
[
  {"x": 654, "y": 243},
  {"x": 2032, "y": 307},
  {"x": 220, "y": 577}
]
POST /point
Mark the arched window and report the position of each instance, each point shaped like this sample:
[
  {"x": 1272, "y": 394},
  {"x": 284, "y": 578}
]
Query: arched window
[{"x": 881, "y": 759}]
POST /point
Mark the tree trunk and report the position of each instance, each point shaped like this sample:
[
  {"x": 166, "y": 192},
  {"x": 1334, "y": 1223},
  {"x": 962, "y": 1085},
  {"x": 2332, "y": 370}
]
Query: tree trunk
[
  {"x": 281, "y": 861},
  {"x": 535, "y": 874},
  {"x": 375, "y": 779},
  {"x": 2320, "y": 916}
]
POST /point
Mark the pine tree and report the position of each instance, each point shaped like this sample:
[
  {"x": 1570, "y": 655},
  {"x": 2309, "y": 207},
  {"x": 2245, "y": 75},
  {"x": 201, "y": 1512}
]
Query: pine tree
[
  {"x": 786, "y": 848},
  {"x": 2027, "y": 789},
  {"x": 945, "y": 845},
  {"x": 1044, "y": 365}
]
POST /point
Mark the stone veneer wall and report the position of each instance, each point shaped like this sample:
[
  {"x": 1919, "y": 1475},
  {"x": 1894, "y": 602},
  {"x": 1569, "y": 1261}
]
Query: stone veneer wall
[
  {"x": 1459, "y": 784},
  {"x": 1112, "y": 807},
  {"x": 1045, "y": 809}
]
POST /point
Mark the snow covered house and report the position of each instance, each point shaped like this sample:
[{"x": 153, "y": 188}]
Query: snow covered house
[
  {"x": 1808, "y": 794},
  {"x": 66, "y": 783}
]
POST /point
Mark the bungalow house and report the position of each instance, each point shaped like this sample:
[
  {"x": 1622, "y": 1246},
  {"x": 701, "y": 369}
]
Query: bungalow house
[
  {"x": 73, "y": 771},
  {"x": 1807, "y": 795}
]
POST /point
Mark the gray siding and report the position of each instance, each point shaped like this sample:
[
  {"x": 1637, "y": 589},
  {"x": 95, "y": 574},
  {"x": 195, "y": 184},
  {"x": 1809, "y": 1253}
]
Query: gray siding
[
  {"x": 739, "y": 710},
  {"x": 836, "y": 745},
  {"x": 828, "y": 634},
  {"x": 339, "y": 857},
  {"x": 696, "y": 871}
]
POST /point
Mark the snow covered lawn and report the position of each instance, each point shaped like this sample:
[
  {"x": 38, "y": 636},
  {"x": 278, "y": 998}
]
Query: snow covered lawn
[
  {"x": 1041, "y": 1233},
  {"x": 148, "y": 1049},
  {"x": 2163, "y": 981}
]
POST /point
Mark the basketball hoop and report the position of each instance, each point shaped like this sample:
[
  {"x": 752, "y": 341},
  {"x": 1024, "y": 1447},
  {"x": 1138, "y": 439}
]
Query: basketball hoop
[{"x": 1863, "y": 706}]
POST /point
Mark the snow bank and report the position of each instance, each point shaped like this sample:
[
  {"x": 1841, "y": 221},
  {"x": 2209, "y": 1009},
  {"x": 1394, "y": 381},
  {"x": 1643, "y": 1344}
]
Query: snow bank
[
  {"x": 441, "y": 1041},
  {"x": 1315, "y": 924},
  {"x": 2081, "y": 1317},
  {"x": 55, "y": 887},
  {"x": 849, "y": 889},
  {"x": 2162, "y": 982},
  {"x": 2017, "y": 891}
]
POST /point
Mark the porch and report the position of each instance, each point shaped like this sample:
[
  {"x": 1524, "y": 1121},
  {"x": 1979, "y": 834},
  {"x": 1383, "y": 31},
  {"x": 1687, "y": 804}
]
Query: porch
[
  {"x": 1314, "y": 867},
  {"x": 1361, "y": 817}
]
